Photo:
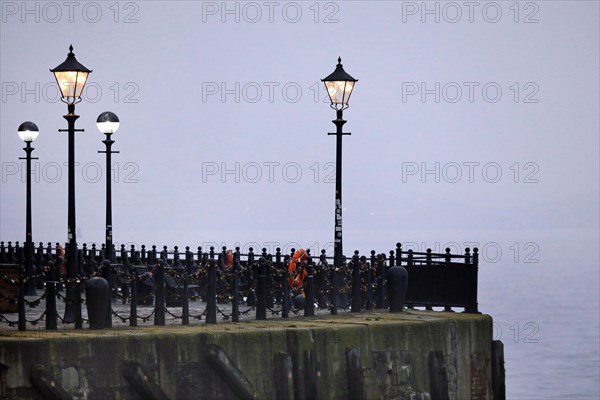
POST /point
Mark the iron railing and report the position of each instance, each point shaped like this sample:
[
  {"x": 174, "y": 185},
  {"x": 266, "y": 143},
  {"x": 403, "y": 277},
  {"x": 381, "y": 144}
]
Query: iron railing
[{"x": 256, "y": 281}]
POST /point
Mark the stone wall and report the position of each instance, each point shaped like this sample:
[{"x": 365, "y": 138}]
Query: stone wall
[{"x": 409, "y": 355}]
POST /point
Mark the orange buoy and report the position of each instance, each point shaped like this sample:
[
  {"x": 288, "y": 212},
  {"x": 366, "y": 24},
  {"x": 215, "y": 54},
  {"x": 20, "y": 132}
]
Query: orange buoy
[
  {"x": 295, "y": 278},
  {"x": 229, "y": 259}
]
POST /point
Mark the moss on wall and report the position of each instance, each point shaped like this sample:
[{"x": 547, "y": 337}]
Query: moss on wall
[{"x": 394, "y": 355}]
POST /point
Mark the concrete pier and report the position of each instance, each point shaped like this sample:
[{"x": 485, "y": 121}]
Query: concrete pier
[{"x": 371, "y": 355}]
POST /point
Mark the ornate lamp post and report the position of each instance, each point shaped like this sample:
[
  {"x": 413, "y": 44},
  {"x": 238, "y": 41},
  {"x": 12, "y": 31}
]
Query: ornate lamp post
[
  {"x": 71, "y": 77},
  {"x": 28, "y": 132},
  {"x": 108, "y": 123},
  {"x": 339, "y": 86}
]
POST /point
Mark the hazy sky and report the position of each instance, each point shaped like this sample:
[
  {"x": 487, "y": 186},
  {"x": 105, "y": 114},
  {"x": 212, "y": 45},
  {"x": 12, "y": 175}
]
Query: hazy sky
[{"x": 471, "y": 122}]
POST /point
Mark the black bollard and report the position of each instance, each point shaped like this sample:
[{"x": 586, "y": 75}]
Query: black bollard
[
  {"x": 97, "y": 295},
  {"x": 159, "y": 301},
  {"x": 356, "y": 296},
  {"x": 107, "y": 275},
  {"x": 309, "y": 306},
  {"x": 397, "y": 280},
  {"x": 261, "y": 290}
]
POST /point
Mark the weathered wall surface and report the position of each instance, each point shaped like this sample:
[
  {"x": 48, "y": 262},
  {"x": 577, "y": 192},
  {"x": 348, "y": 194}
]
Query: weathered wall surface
[{"x": 411, "y": 355}]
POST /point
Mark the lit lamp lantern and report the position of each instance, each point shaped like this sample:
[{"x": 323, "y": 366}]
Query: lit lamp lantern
[
  {"x": 71, "y": 77},
  {"x": 339, "y": 86}
]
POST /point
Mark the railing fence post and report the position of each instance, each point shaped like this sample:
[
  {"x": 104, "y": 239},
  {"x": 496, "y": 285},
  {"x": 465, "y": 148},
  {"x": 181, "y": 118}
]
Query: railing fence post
[
  {"x": 335, "y": 278},
  {"x": 164, "y": 255},
  {"x": 51, "y": 313},
  {"x": 428, "y": 264},
  {"x": 18, "y": 253},
  {"x": 474, "y": 308},
  {"x": 91, "y": 259},
  {"x": 285, "y": 305},
  {"x": 159, "y": 300},
  {"x": 235, "y": 306},
  {"x": 261, "y": 290},
  {"x": 448, "y": 260},
  {"x": 366, "y": 267},
  {"x": 152, "y": 260},
  {"x": 211, "y": 297},
  {"x": 133, "y": 258},
  {"x": 356, "y": 296},
  {"x": 398, "y": 254},
  {"x": 39, "y": 262},
  {"x": 21, "y": 298},
  {"x": 322, "y": 281},
  {"x": 269, "y": 280},
  {"x": 185, "y": 308},
  {"x": 374, "y": 278},
  {"x": 86, "y": 264},
  {"x": 11, "y": 253},
  {"x": 106, "y": 273},
  {"x": 199, "y": 257},
  {"x": 175, "y": 257},
  {"x": 133, "y": 305},
  {"x": 309, "y": 303},
  {"x": 250, "y": 277},
  {"x": 381, "y": 283}
]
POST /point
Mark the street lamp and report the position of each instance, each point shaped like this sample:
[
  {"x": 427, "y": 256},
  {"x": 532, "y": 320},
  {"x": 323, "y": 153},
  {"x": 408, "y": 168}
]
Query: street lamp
[
  {"x": 108, "y": 123},
  {"x": 28, "y": 132},
  {"x": 339, "y": 85},
  {"x": 71, "y": 77}
]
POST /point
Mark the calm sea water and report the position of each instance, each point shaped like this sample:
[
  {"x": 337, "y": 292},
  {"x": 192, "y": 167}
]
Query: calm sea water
[{"x": 547, "y": 316}]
